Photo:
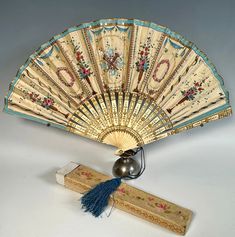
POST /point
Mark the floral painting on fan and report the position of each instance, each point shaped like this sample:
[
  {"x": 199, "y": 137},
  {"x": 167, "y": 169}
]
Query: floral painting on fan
[{"x": 122, "y": 82}]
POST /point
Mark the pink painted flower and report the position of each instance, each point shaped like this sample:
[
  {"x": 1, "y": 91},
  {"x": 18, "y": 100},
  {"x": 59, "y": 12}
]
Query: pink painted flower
[
  {"x": 162, "y": 206},
  {"x": 190, "y": 92},
  {"x": 79, "y": 56},
  {"x": 150, "y": 199},
  {"x": 121, "y": 190},
  {"x": 34, "y": 97},
  {"x": 86, "y": 71},
  {"x": 47, "y": 102},
  {"x": 86, "y": 174},
  {"x": 142, "y": 62}
]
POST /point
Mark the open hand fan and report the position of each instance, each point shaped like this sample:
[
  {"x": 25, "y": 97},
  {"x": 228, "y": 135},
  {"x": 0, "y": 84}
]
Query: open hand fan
[{"x": 121, "y": 82}]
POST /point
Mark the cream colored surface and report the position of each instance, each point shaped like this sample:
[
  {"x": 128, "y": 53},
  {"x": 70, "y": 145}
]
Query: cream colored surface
[{"x": 121, "y": 84}]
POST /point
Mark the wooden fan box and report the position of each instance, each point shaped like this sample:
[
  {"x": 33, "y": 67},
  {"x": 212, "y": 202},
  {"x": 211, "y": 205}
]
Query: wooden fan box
[{"x": 80, "y": 178}]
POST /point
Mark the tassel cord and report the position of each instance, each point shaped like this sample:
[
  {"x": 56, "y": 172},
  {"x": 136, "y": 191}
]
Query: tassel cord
[
  {"x": 142, "y": 165},
  {"x": 96, "y": 200},
  {"x": 129, "y": 177}
]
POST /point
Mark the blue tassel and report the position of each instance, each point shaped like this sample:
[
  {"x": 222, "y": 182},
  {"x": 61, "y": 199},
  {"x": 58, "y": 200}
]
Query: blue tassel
[{"x": 96, "y": 200}]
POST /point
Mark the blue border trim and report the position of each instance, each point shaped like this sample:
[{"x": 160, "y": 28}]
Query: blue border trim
[
  {"x": 9, "y": 111},
  {"x": 200, "y": 117},
  {"x": 154, "y": 26}
]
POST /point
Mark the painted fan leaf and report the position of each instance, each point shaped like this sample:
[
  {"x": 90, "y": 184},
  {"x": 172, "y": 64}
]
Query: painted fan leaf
[{"x": 121, "y": 82}]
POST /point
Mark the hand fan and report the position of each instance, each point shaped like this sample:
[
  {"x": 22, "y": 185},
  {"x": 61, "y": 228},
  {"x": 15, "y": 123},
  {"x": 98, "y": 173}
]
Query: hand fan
[{"x": 121, "y": 82}]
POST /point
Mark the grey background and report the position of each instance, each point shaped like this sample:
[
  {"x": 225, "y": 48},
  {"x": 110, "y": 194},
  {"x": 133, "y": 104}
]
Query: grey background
[{"x": 194, "y": 169}]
